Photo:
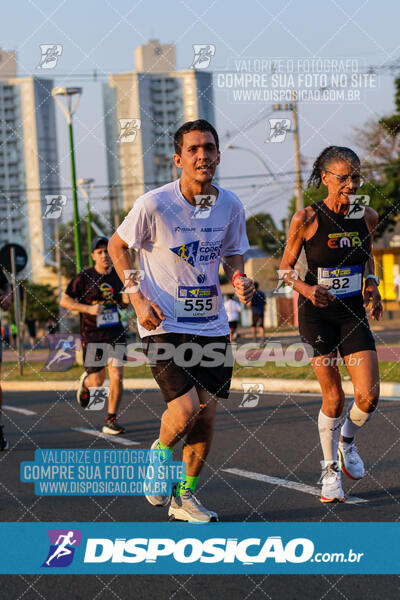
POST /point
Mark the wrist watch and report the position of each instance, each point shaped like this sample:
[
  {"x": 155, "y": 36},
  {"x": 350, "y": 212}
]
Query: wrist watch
[{"x": 374, "y": 277}]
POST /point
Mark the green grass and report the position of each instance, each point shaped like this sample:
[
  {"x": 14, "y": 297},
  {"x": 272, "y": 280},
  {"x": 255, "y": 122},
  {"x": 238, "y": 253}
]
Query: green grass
[{"x": 389, "y": 371}]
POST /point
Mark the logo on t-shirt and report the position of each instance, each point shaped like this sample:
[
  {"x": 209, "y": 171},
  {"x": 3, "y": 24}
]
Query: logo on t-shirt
[
  {"x": 186, "y": 252},
  {"x": 107, "y": 291},
  {"x": 343, "y": 239}
]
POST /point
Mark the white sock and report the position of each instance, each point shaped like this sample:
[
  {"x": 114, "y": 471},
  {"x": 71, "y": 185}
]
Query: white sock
[
  {"x": 355, "y": 419},
  {"x": 329, "y": 433}
]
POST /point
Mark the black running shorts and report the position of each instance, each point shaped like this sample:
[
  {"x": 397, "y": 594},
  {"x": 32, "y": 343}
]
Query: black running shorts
[
  {"x": 188, "y": 363},
  {"x": 99, "y": 355},
  {"x": 328, "y": 330},
  {"x": 233, "y": 325},
  {"x": 257, "y": 320}
]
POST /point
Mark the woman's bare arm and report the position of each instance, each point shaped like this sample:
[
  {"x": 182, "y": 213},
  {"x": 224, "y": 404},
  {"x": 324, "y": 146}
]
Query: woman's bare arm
[{"x": 299, "y": 227}]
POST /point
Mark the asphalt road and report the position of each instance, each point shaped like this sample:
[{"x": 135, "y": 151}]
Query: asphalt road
[{"x": 277, "y": 438}]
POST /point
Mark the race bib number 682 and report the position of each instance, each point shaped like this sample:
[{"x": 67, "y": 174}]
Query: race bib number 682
[{"x": 342, "y": 281}]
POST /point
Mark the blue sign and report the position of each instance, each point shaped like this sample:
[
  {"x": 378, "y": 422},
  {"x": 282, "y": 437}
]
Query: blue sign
[{"x": 212, "y": 548}]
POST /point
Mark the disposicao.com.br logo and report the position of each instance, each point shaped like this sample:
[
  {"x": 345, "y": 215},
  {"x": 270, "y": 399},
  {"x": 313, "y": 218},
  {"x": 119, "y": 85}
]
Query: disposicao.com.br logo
[{"x": 212, "y": 550}]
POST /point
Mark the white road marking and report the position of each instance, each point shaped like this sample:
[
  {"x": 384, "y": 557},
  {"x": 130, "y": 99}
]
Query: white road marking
[
  {"x": 24, "y": 411},
  {"x": 293, "y": 485},
  {"x": 118, "y": 439}
]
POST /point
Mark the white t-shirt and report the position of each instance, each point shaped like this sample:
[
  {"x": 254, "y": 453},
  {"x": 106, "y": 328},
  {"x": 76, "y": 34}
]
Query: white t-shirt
[
  {"x": 233, "y": 310},
  {"x": 180, "y": 256}
]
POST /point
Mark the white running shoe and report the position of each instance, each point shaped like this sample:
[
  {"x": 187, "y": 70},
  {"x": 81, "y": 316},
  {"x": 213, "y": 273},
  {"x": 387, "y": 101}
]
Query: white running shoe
[
  {"x": 83, "y": 394},
  {"x": 189, "y": 508},
  {"x": 331, "y": 480},
  {"x": 350, "y": 461},
  {"x": 160, "y": 500}
]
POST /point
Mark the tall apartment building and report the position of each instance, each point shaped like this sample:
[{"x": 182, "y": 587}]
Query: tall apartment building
[
  {"x": 145, "y": 107},
  {"x": 28, "y": 165}
]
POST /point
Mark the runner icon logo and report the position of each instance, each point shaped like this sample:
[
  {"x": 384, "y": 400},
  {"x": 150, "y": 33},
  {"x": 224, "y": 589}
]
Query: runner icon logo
[
  {"x": 50, "y": 55},
  {"x": 357, "y": 206},
  {"x": 202, "y": 55},
  {"x": 98, "y": 397},
  {"x": 285, "y": 284},
  {"x": 132, "y": 279},
  {"x": 62, "y": 547},
  {"x": 204, "y": 204},
  {"x": 251, "y": 394},
  {"x": 54, "y": 205},
  {"x": 128, "y": 129},
  {"x": 62, "y": 351},
  {"x": 278, "y": 130}
]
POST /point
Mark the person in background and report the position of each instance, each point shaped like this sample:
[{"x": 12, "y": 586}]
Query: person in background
[
  {"x": 396, "y": 287},
  {"x": 13, "y": 328},
  {"x": 7, "y": 334},
  {"x": 52, "y": 326},
  {"x": 257, "y": 311},
  {"x": 31, "y": 325},
  {"x": 96, "y": 293},
  {"x": 233, "y": 310}
]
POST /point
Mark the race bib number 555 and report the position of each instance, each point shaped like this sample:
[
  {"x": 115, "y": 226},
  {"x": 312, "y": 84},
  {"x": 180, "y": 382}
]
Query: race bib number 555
[
  {"x": 196, "y": 304},
  {"x": 342, "y": 281}
]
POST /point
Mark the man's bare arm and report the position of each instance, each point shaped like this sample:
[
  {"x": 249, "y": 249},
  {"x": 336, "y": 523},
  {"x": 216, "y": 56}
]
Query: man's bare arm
[
  {"x": 244, "y": 287},
  {"x": 149, "y": 314},
  {"x": 75, "y": 306}
]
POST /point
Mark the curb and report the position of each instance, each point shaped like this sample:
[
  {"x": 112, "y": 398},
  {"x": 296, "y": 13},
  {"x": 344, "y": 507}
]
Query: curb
[{"x": 388, "y": 389}]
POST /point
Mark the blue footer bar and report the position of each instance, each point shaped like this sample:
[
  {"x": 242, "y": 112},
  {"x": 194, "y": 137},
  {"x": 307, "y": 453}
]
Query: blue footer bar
[{"x": 213, "y": 548}]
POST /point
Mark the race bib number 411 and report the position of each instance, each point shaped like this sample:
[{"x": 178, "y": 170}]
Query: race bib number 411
[
  {"x": 196, "y": 304},
  {"x": 342, "y": 281},
  {"x": 108, "y": 317}
]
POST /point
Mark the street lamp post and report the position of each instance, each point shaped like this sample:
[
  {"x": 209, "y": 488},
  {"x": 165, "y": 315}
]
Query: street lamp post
[
  {"x": 85, "y": 186},
  {"x": 68, "y": 109}
]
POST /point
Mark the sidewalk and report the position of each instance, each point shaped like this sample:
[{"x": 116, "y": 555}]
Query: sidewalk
[{"x": 290, "y": 386}]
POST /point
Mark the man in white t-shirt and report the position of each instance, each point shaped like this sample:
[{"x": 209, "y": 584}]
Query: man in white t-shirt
[
  {"x": 233, "y": 310},
  {"x": 396, "y": 287},
  {"x": 182, "y": 231}
]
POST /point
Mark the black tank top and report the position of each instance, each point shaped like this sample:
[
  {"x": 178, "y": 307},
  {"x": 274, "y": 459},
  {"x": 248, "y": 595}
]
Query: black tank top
[{"x": 338, "y": 242}]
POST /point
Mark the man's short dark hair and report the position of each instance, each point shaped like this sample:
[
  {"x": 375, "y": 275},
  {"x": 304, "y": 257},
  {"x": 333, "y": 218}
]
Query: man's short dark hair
[
  {"x": 199, "y": 125},
  {"x": 256, "y": 286}
]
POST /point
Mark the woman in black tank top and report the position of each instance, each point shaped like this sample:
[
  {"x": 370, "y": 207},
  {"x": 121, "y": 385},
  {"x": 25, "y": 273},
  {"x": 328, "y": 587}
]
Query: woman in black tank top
[{"x": 336, "y": 235}]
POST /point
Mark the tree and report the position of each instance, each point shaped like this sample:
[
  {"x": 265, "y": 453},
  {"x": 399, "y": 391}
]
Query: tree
[
  {"x": 380, "y": 157},
  {"x": 262, "y": 232},
  {"x": 380, "y": 145},
  {"x": 67, "y": 246},
  {"x": 41, "y": 301}
]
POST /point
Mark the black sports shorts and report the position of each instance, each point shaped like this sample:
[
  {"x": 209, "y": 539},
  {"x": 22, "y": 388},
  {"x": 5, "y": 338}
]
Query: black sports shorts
[
  {"x": 185, "y": 363},
  {"x": 257, "y": 320},
  {"x": 99, "y": 355},
  {"x": 343, "y": 328},
  {"x": 233, "y": 325}
]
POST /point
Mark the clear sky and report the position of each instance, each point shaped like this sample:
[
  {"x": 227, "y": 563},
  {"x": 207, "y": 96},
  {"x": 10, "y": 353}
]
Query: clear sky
[{"x": 101, "y": 35}]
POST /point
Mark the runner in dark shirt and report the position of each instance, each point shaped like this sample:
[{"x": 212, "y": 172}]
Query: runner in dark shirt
[{"x": 96, "y": 294}]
